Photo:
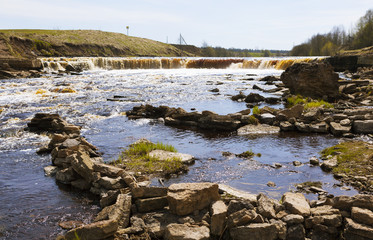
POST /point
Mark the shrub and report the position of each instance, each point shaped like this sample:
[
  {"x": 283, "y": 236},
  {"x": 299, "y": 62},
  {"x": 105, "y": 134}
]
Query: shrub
[{"x": 256, "y": 110}]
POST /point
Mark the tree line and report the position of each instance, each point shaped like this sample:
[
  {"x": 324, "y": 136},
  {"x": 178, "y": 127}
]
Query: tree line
[
  {"x": 338, "y": 39},
  {"x": 208, "y": 51}
]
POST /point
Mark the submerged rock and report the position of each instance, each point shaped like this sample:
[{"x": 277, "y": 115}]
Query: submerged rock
[{"x": 258, "y": 129}]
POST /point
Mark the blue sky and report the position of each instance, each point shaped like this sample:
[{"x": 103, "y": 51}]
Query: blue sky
[{"x": 265, "y": 24}]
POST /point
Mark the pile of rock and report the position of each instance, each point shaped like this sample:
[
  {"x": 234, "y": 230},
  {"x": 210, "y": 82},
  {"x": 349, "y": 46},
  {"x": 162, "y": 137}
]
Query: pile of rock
[
  {"x": 344, "y": 123},
  {"x": 132, "y": 210}
]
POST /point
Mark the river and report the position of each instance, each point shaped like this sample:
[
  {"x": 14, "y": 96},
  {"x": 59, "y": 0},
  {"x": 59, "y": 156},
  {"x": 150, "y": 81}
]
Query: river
[{"x": 33, "y": 205}]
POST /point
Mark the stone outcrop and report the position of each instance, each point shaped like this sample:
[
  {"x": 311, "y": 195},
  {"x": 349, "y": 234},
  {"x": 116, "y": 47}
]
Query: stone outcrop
[{"x": 315, "y": 80}]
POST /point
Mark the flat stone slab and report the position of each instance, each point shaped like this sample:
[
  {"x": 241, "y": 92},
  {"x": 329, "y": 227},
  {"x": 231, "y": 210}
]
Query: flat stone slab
[
  {"x": 164, "y": 155},
  {"x": 238, "y": 193},
  {"x": 257, "y": 129}
]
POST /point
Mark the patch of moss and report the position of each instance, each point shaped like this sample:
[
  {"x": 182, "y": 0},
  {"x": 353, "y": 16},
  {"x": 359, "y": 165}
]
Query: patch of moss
[
  {"x": 248, "y": 154},
  {"x": 256, "y": 110},
  {"x": 307, "y": 102},
  {"x": 353, "y": 157},
  {"x": 253, "y": 120}
]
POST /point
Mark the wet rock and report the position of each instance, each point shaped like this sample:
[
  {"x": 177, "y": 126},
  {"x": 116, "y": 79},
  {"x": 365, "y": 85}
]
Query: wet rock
[
  {"x": 271, "y": 184},
  {"x": 181, "y": 231},
  {"x": 218, "y": 217},
  {"x": 296, "y": 203},
  {"x": 185, "y": 198},
  {"x": 363, "y": 126},
  {"x": 66, "y": 175},
  {"x": 165, "y": 155},
  {"x": 257, "y": 129},
  {"x": 254, "y": 98},
  {"x": 238, "y": 97},
  {"x": 255, "y": 231},
  {"x": 297, "y": 163},
  {"x": 151, "y": 204},
  {"x": 81, "y": 184},
  {"x": 267, "y": 118},
  {"x": 94, "y": 231},
  {"x": 109, "y": 198},
  {"x": 286, "y": 126},
  {"x": 302, "y": 127},
  {"x": 314, "y": 80}
]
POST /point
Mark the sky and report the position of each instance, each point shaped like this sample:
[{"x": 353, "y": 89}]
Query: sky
[{"x": 252, "y": 24}]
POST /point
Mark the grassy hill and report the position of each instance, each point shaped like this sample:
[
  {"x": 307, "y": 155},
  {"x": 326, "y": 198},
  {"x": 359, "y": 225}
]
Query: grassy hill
[{"x": 30, "y": 43}]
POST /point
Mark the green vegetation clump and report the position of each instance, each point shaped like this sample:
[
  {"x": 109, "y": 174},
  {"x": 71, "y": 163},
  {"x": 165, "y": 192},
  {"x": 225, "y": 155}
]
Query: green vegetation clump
[
  {"x": 248, "y": 154},
  {"x": 136, "y": 158},
  {"x": 307, "y": 102},
  {"x": 253, "y": 120},
  {"x": 256, "y": 110},
  {"x": 353, "y": 157}
]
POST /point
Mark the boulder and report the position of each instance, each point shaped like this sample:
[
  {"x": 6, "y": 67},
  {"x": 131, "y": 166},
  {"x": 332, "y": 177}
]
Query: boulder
[
  {"x": 166, "y": 155},
  {"x": 94, "y": 231},
  {"x": 50, "y": 171},
  {"x": 185, "y": 198},
  {"x": 315, "y": 80},
  {"x": 296, "y": 203},
  {"x": 255, "y": 231},
  {"x": 183, "y": 232},
  {"x": 111, "y": 183},
  {"x": 320, "y": 127},
  {"x": 363, "y": 201},
  {"x": 293, "y": 219},
  {"x": 66, "y": 175},
  {"x": 295, "y": 232},
  {"x": 107, "y": 170},
  {"x": 343, "y": 202},
  {"x": 218, "y": 217}
]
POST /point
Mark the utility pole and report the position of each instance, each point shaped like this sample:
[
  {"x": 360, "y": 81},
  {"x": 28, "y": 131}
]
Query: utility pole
[{"x": 127, "y": 27}]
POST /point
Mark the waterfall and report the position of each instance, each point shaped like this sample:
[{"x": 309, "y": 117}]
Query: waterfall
[{"x": 112, "y": 63}]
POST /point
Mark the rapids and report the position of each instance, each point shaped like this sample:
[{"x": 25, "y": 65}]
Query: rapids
[{"x": 33, "y": 205}]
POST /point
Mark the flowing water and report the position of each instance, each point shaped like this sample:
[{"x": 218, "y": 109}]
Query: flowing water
[{"x": 32, "y": 205}]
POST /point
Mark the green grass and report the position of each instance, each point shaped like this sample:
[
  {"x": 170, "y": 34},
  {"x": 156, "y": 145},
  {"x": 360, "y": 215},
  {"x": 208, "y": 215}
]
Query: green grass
[
  {"x": 93, "y": 40},
  {"x": 253, "y": 120},
  {"x": 256, "y": 110},
  {"x": 136, "y": 158},
  {"x": 307, "y": 102}
]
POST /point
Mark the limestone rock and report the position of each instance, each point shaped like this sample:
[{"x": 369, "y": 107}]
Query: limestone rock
[
  {"x": 242, "y": 217},
  {"x": 82, "y": 164},
  {"x": 358, "y": 229},
  {"x": 94, "y": 231},
  {"x": 149, "y": 192},
  {"x": 293, "y": 219},
  {"x": 185, "y": 198},
  {"x": 111, "y": 183},
  {"x": 296, "y": 203},
  {"x": 343, "y": 202},
  {"x": 338, "y": 130},
  {"x": 257, "y": 129},
  {"x": 165, "y": 155},
  {"x": 107, "y": 170},
  {"x": 265, "y": 206},
  {"x": 295, "y": 232},
  {"x": 361, "y": 215},
  {"x": 329, "y": 164},
  {"x": 293, "y": 112},
  {"x": 50, "y": 171},
  {"x": 151, "y": 204},
  {"x": 255, "y": 231},
  {"x": 66, "y": 175},
  {"x": 184, "y": 232},
  {"x": 218, "y": 217},
  {"x": 364, "y": 201},
  {"x": 81, "y": 184}
]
